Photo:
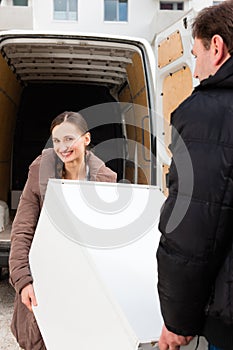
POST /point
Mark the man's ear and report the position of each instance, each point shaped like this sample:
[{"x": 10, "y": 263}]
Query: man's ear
[{"x": 219, "y": 50}]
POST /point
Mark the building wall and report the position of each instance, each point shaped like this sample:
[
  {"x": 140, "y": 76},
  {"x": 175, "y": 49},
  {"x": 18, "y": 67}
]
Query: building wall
[
  {"x": 144, "y": 17},
  {"x": 199, "y": 4},
  {"x": 15, "y": 17},
  {"x": 22, "y": 18},
  {"x": 91, "y": 18}
]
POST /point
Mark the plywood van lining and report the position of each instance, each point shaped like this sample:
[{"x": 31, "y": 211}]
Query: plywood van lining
[
  {"x": 170, "y": 49},
  {"x": 10, "y": 92}
]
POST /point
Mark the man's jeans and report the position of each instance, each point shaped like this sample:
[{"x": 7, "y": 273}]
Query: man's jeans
[{"x": 212, "y": 347}]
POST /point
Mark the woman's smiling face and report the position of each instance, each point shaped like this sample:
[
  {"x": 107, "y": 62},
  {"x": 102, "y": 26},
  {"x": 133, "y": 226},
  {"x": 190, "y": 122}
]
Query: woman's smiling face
[{"x": 69, "y": 143}]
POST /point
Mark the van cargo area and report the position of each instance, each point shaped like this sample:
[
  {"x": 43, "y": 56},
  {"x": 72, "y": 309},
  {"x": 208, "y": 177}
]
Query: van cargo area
[{"x": 107, "y": 79}]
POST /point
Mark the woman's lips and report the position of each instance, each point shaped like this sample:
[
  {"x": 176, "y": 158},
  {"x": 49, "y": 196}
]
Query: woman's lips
[{"x": 66, "y": 154}]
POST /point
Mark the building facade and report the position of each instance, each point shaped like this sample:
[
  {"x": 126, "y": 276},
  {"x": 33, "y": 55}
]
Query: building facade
[{"x": 123, "y": 17}]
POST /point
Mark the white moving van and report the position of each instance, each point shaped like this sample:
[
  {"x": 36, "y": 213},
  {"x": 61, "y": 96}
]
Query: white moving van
[
  {"x": 124, "y": 87},
  {"x": 43, "y": 74}
]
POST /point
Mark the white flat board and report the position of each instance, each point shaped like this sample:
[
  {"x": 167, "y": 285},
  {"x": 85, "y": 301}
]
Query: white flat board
[{"x": 93, "y": 260}]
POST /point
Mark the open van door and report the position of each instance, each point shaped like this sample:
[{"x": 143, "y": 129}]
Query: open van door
[{"x": 174, "y": 83}]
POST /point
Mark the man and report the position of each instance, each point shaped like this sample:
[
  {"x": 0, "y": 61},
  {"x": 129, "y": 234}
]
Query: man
[{"x": 195, "y": 254}]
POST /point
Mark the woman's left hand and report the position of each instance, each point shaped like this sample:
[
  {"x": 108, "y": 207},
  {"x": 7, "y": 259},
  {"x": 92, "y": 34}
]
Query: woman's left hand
[{"x": 28, "y": 296}]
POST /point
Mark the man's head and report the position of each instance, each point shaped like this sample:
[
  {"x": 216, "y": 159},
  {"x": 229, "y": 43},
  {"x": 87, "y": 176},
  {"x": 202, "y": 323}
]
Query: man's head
[{"x": 212, "y": 31}]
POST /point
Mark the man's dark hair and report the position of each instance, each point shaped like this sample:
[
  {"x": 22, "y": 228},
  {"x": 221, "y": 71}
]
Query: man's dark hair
[{"x": 216, "y": 19}]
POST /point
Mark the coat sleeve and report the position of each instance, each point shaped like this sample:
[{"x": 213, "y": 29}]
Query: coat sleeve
[
  {"x": 193, "y": 226},
  {"x": 105, "y": 174},
  {"x": 23, "y": 229}
]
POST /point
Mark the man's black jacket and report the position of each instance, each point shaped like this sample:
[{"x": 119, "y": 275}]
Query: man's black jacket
[{"x": 195, "y": 254}]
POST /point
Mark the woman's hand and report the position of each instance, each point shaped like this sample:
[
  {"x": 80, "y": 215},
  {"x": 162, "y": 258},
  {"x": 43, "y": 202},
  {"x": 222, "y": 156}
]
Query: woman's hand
[
  {"x": 172, "y": 341},
  {"x": 28, "y": 297}
]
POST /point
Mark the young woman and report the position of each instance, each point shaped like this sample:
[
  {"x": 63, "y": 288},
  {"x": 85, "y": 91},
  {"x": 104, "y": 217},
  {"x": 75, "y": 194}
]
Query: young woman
[{"x": 68, "y": 159}]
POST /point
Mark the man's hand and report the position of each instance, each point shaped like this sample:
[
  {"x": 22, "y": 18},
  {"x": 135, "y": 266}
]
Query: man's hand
[
  {"x": 172, "y": 341},
  {"x": 28, "y": 297}
]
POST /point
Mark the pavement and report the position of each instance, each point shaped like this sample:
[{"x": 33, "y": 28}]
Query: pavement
[{"x": 7, "y": 294}]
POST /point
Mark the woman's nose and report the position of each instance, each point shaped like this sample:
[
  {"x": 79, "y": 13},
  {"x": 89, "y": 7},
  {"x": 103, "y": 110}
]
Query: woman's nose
[{"x": 63, "y": 147}]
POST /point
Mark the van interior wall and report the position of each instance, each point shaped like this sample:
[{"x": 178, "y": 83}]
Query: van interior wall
[
  {"x": 10, "y": 91},
  {"x": 40, "y": 103},
  {"x": 137, "y": 122}
]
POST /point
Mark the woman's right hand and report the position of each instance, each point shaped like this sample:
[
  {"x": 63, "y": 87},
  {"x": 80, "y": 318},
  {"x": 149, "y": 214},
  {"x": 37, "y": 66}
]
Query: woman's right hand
[{"x": 28, "y": 297}]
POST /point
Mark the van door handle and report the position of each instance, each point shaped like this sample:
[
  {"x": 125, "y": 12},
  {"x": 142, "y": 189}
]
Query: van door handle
[{"x": 143, "y": 138}]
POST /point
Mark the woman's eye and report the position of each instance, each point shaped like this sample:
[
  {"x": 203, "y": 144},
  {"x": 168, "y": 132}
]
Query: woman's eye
[{"x": 69, "y": 139}]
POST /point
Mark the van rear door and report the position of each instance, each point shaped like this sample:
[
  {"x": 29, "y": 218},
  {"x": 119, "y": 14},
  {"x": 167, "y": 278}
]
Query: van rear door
[{"x": 174, "y": 82}]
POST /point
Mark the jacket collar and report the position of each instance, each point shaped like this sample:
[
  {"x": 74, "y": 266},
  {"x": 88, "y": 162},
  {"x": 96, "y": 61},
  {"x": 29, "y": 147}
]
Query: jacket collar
[
  {"x": 51, "y": 167},
  {"x": 223, "y": 78}
]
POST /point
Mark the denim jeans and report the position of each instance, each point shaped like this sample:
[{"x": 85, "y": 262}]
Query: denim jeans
[{"x": 212, "y": 347}]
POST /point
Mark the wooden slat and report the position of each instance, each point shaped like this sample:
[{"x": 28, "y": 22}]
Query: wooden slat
[
  {"x": 71, "y": 65},
  {"x": 68, "y": 56},
  {"x": 70, "y": 78},
  {"x": 70, "y": 70}
]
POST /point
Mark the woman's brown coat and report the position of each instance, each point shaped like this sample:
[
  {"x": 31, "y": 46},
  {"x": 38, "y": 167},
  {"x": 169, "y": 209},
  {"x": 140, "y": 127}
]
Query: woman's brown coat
[{"x": 24, "y": 326}]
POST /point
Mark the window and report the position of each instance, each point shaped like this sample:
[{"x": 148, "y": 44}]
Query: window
[
  {"x": 20, "y": 2},
  {"x": 166, "y": 5},
  {"x": 116, "y": 10},
  {"x": 65, "y": 10}
]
